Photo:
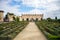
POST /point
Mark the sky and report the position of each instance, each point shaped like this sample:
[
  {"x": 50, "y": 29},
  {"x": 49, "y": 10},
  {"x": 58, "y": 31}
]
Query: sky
[{"x": 50, "y": 8}]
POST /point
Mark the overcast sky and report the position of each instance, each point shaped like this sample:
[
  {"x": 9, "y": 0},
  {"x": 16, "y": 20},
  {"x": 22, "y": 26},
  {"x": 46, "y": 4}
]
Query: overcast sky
[{"x": 50, "y": 8}]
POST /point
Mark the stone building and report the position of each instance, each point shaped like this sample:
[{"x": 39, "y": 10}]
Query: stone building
[
  {"x": 31, "y": 17},
  {"x": 10, "y": 16},
  {"x": 23, "y": 17},
  {"x": 1, "y": 15}
]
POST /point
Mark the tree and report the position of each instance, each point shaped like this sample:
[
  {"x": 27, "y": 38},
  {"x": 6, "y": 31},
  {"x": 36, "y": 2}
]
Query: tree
[
  {"x": 16, "y": 19},
  {"x": 6, "y": 17},
  {"x": 58, "y": 20},
  {"x": 49, "y": 19},
  {"x": 55, "y": 18}
]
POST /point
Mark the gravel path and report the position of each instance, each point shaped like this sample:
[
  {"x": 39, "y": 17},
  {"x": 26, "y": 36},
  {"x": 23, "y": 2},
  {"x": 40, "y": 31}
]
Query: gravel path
[{"x": 31, "y": 32}]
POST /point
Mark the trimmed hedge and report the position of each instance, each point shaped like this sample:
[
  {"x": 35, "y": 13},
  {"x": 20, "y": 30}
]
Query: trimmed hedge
[
  {"x": 5, "y": 38},
  {"x": 50, "y": 29},
  {"x": 11, "y": 29}
]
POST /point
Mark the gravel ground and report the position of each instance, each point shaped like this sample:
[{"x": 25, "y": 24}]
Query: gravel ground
[{"x": 31, "y": 32}]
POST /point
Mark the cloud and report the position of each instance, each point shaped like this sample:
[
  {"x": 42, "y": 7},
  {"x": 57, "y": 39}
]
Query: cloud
[
  {"x": 35, "y": 11},
  {"x": 57, "y": 2},
  {"x": 53, "y": 14},
  {"x": 34, "y": 3},
  {"x": 49, "y": 1},
  {"x": 4, "y": 5},
  {"x": 48, "y": 7}
]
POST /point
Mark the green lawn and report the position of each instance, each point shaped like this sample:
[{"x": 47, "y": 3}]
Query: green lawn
[
  {"x": 50, "y": 29},
  {"x": 8, "y": 31}
]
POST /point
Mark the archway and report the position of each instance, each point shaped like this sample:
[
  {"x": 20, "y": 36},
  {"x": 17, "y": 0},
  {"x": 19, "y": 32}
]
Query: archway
[
  {"x": 32, "y": 19},
  {"x": 27, "y": 19}
]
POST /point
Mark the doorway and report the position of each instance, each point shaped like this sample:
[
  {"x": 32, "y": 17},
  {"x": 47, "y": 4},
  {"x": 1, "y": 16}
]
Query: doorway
[{"x": 32, "y": 20}]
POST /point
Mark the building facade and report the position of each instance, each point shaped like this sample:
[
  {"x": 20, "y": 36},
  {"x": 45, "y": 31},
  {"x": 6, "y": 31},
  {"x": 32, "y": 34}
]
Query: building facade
[
  {"x": 23, "y": 17},
  {"x": 31, "y": 17},
  {"x": 1, "y": 15}
]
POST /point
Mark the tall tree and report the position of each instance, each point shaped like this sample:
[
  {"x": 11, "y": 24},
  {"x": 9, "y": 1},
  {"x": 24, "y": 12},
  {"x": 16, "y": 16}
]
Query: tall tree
[
  {"x": 49, "y": 19},
  {"x": 6, "y": 17},
  {"x": 55, "y": 18},
  {"x": 14, "y": 18}
]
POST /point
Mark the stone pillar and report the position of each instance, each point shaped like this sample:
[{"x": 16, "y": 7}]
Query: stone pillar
[{"x": 1, "y": 15}]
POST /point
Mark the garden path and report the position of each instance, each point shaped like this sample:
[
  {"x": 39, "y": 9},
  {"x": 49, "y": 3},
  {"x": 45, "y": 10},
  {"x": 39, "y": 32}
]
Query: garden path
[{"x": 31, "y": 32}]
